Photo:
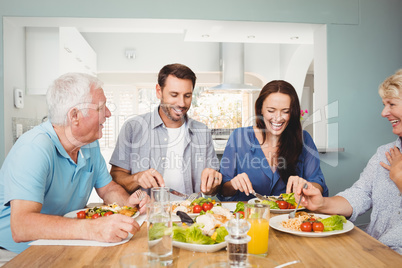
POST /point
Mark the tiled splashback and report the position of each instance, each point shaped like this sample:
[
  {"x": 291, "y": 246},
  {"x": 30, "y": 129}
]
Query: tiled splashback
[{"x": 26, "y": 123}]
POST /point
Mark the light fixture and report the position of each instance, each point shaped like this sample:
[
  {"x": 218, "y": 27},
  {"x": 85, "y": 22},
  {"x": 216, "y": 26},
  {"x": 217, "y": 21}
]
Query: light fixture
[
  {"x": 251, "y": 36},
  {"x": 205, "y": 36},
  {"x": 294, "y": 38},
  {"x": 130, "y": 54}
]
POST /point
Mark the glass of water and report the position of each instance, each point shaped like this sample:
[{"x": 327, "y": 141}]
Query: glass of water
[
  {"x": 159, "y": 221},
  {"x": 160, "y": 194}
]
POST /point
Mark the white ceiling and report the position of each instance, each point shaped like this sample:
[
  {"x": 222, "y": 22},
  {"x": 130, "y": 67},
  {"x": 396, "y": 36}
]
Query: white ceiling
[{"x": 193, "y": 30}]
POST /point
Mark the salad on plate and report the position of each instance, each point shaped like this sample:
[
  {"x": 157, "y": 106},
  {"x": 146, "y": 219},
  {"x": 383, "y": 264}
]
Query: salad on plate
[{"x": 284, "y": 203}]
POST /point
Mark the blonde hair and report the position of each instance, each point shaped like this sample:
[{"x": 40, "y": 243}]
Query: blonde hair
[{"x": 392, "y": 86}]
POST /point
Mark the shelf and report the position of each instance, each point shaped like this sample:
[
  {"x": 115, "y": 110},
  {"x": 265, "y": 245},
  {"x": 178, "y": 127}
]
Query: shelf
[{"x": 330, "y": 150}]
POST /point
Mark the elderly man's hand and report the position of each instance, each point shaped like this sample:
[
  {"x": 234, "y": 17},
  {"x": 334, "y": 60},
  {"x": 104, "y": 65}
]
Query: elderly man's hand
[
  {"x": 113, "y": 228},
  {"x": 210, "y": 181},
  {"x": 139, "y": 198}
]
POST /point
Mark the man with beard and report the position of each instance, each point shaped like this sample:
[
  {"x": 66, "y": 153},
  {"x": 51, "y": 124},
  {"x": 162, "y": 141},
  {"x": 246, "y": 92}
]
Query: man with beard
[{"x": 166, "y": 148}]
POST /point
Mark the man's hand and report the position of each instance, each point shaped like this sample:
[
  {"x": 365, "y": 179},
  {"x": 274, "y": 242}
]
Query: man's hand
[
  {"x": 113, "y": 228},
  {"x": 149, "y": 178},
  {"x": 27, "y": 223},
  {"x": 242, "y": 183},
  {"x": 394, "y": 157},
  {"x": 139, "y": 198},
  {"x": 131, "y": 182},
  {"x": 210, "y": 181}
]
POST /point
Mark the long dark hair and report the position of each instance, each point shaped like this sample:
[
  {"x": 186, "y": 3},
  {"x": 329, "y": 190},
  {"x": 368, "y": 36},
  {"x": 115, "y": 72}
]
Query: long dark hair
[{"x": 291, "y": 140}]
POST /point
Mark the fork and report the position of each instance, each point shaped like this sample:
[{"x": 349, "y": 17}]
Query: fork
[
  {"x": 293, "y": 213},
  {"x": 140, "y": 194},
  {"x": 192, "y": 197}
]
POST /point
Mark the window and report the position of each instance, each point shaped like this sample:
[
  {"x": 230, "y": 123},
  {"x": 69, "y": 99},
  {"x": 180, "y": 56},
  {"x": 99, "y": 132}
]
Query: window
[{"x": 217, "y": 111}]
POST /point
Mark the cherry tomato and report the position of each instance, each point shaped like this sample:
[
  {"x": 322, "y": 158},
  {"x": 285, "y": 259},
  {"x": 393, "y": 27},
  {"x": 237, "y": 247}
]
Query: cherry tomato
[
  {"x": 207, "y": 206},
  {"x": 81, "y": 214},
  {"x": 197, "y": 209},
  {"x": 283, "y": 204},
  {"x": 306, "y": 226},
  {"x": 318, "y": 226},
  {"x": 311, "y": 220},
  {"x": 95, "y": 216},
  {"x": 241, "y": 214},
  {"x": 108, "y": 213},
  {"x": 291, "y": 206}
]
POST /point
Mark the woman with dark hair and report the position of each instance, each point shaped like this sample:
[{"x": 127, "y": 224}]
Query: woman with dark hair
[{"x": 276, "y": 155}]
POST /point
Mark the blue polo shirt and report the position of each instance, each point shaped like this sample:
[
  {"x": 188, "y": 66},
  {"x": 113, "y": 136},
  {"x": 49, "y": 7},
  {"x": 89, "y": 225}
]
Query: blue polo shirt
[
  {"x": 39, "y": 169},
  {"x": 243, "y": 153}
]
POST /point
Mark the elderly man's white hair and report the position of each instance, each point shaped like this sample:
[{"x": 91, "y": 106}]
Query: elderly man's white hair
[{"x": 68, "y": 91}]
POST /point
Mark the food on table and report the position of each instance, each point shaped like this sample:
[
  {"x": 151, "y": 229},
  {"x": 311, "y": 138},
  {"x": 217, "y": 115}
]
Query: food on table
[
  {"x": 184, "y": 217},
  {"x": 197, "y": 206},
  {"x": 194, "y": 234},
  {"x": 284, "y": 201},
  {"x": 106, "y": 210},
  {"x": 310, "y": 223},
  {"x": 333, "y": 223}
]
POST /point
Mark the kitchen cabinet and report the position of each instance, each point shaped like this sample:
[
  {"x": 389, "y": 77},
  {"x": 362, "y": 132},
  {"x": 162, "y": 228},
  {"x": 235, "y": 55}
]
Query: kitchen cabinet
[{"x": 51, "y": 52}]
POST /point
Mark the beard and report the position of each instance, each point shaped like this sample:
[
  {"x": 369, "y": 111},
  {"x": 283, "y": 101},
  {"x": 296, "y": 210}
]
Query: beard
[{"x": 167, "y": 110}]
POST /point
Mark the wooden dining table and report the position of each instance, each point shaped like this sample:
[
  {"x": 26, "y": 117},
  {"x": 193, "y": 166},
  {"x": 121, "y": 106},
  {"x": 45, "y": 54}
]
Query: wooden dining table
[{"x": 352, "y": 249}]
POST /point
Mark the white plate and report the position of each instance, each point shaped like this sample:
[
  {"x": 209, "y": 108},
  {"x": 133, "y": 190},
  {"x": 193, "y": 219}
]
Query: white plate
[
  {"x": 73, "y": 214},
  {"x": 277, "y": 211},
  {"x": 199, "y": 248},
  {"x": 275, "y": 222}
]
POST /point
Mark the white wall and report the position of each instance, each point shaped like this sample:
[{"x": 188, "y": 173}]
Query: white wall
[{"x": 14, "y": 59}]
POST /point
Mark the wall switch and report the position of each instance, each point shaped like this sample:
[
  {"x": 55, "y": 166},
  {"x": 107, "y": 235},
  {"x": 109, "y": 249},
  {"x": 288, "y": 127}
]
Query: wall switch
[
  {"x": 18, "y": 128},
  {"x": 18, "y": 98}
]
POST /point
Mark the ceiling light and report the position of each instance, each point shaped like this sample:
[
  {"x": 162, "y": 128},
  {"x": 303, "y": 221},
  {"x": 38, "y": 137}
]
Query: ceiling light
[
  {"x": 205, "y": 36},
  {"x": 130, "y": 54},
  {"x": 294, "y": 38},
  {"x": 251, "y": 36}
]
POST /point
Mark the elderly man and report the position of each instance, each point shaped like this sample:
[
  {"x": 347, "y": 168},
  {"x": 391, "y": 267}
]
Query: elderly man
[
  {"x": 52, "y": 169},
  {"x": 165, "y": 147}
]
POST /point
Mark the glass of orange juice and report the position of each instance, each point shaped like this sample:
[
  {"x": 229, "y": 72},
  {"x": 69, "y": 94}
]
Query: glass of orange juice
[{"x": 258, "y": 216}]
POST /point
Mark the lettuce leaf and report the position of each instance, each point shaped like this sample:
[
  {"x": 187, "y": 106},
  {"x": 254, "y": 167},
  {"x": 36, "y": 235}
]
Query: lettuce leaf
[
  {"x": 290, "y": 198},
  {"x": 179, "y": 233},
  {"x": 221, "y": 234},
  {"x": 272, "y": 204},
  {"x": 194, "y": 236},
  {"x": 335, "y": 222},
  {"x": 157, "y": 230},
  {"x": 239, "y": 207}
]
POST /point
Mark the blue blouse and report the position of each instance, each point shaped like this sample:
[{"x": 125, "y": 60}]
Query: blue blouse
[{"x": 243, "y": 153}]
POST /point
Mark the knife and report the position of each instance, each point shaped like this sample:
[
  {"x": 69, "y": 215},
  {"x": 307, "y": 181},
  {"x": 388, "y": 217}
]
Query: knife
[
  {"x": 177, "y": 193},
  {"x": 259, "y": 196}
]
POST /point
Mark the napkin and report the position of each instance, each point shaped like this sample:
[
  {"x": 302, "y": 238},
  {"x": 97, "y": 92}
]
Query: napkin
[{"x": 42, "y": 242}]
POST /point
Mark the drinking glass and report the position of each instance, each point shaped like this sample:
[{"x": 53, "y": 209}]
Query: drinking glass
[
  {"x": 160, "y": 194},
  {"x": 258, "y": 216},
  {"x": 159, "y": 221},
  {"x": 140, "y": 260}
]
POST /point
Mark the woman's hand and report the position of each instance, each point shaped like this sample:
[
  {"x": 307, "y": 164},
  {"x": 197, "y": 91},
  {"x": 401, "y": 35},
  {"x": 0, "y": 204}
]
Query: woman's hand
[
  {"x": 394, "y": 157},
  {"x": 242, "y": 183},
  {"x": 295, "y": 185}
]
